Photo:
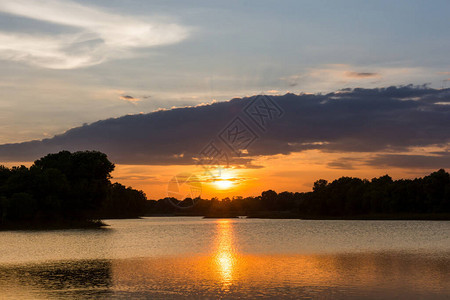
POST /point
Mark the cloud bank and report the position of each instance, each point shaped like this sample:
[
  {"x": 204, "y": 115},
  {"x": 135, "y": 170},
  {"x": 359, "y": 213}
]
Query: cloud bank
[
  {"x": 386, "y": 122},
  {"x": 92, "y": 36}
]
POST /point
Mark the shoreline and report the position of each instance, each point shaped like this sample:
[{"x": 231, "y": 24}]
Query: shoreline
[
  {"x": 99, "y": 224},
  {"x": 32, "y": 226},
  {"x": 290, "y": 215}
]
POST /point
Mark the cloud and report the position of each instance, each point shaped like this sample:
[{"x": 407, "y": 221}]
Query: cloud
[
  {"x": 292, "y": 80},
  {"x": 411, "y": 161},
  {"x": 340, "y": 72},
  {"x": 332, "y": 73},
  {"x": 95, "y": 36},
  {"x": 361, "y": 74},
  {"x": 375, "y": 121},
  {"x": 129, "y": 98},
  {"x": 330, "y": 77},
  {"x": 344, "y": 163},
  {"x": 273, "y": 91}
]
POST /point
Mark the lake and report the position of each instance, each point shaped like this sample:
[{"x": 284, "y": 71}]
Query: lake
[{"x": 175, "y": 257}]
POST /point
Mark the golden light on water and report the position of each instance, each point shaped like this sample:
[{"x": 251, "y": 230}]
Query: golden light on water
[
  {"x": 227, "y": 272},
  {"x": 225, "y": 258}
]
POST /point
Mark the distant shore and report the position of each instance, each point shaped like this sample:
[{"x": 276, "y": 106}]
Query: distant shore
[
  {"x": 50, "y": 225},
  {"x": 291, "y": 215},
  {"x": 381, "y": 217},
  {"x": 99, "y": 224}
]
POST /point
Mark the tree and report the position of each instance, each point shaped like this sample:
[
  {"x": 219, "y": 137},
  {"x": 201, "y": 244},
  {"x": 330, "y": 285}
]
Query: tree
[
  {"x": 88, "y": 174},
  {"x": 320, "y": 185},
  {"x": 123, "y": 202},
  {"x": 269, "y": 199}
]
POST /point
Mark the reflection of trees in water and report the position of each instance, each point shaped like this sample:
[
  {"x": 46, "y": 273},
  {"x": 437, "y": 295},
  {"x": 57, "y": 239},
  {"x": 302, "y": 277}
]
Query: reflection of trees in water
[{"x": 62, "y": 279}]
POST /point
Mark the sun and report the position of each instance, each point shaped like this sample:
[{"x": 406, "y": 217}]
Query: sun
[
  {"x": 223, "y": 184},
  {"x": 225, "y": 181}
]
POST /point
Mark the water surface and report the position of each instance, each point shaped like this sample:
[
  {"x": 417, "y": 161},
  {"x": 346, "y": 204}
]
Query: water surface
[{"x": 169, "y": 258}]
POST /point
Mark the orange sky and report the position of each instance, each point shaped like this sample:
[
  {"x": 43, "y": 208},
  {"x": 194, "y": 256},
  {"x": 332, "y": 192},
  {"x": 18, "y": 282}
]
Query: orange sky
[
  {"x": 65, "y": 63},
  {"x": 295, "y": 172}
]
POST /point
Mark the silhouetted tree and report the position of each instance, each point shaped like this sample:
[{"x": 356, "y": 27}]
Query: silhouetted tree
[
  {"x": 57, "y": 187},
  {"x": 269, "y": 199},
  {"x": 123, "y": 202}
]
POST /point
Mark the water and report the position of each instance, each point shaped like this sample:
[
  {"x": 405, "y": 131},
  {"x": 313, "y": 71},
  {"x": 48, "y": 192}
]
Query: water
[{"x": 170, "y": 258}]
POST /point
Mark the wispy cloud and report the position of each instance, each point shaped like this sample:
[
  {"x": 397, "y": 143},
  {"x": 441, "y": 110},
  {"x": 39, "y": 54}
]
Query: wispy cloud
[
  {"x": 129, "y": 98},
  {"x": 329, "y": 77},
  {"x": 273, "y": 91},
  {"x": 99, "y": 35},
  {"x": 337, "y": 73},
  {"x": 361, "y": 74}
]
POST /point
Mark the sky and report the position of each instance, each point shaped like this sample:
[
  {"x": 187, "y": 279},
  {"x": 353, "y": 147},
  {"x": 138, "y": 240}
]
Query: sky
[{"x": 66, "y": 64}]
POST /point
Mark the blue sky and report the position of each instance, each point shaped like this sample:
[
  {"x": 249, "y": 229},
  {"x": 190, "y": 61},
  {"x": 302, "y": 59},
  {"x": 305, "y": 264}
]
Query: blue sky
[{"x": 65, "y": 63}]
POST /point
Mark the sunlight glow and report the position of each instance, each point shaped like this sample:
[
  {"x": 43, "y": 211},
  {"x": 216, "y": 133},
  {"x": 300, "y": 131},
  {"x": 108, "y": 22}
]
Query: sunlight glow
[
  {"x": 225, "y": 181},
  {"x": 225, "y": 259},
  {"x": 223, "y": 184}
]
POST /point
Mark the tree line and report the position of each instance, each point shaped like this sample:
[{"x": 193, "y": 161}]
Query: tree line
[
  {"x": 346, "y": 197},
  {"x": 65, "y": 188},
  {"x": 75, "y": 188}
]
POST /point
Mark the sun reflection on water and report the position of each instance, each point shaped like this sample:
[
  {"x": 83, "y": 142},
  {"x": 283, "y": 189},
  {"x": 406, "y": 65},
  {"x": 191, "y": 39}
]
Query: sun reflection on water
[
  {"x": 228, "y": 270},
  {"x": 225, "y": 257}
]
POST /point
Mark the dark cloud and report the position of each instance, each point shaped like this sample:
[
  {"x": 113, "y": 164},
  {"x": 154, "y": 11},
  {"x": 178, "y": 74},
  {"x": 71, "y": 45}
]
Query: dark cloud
[
  {"x": 129, "y": 98},
  {"x": 349, "y": 120},
  {"x": 411, "y": 161},
  {"x": 361, "y": 74},
  {"x": 343, "y": 163}
]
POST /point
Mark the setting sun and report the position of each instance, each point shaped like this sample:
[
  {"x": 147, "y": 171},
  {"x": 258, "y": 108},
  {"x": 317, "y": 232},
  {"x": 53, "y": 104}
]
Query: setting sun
[
  {"x": 225, "y": 181},
  {"x": 223, "y": 184}
]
